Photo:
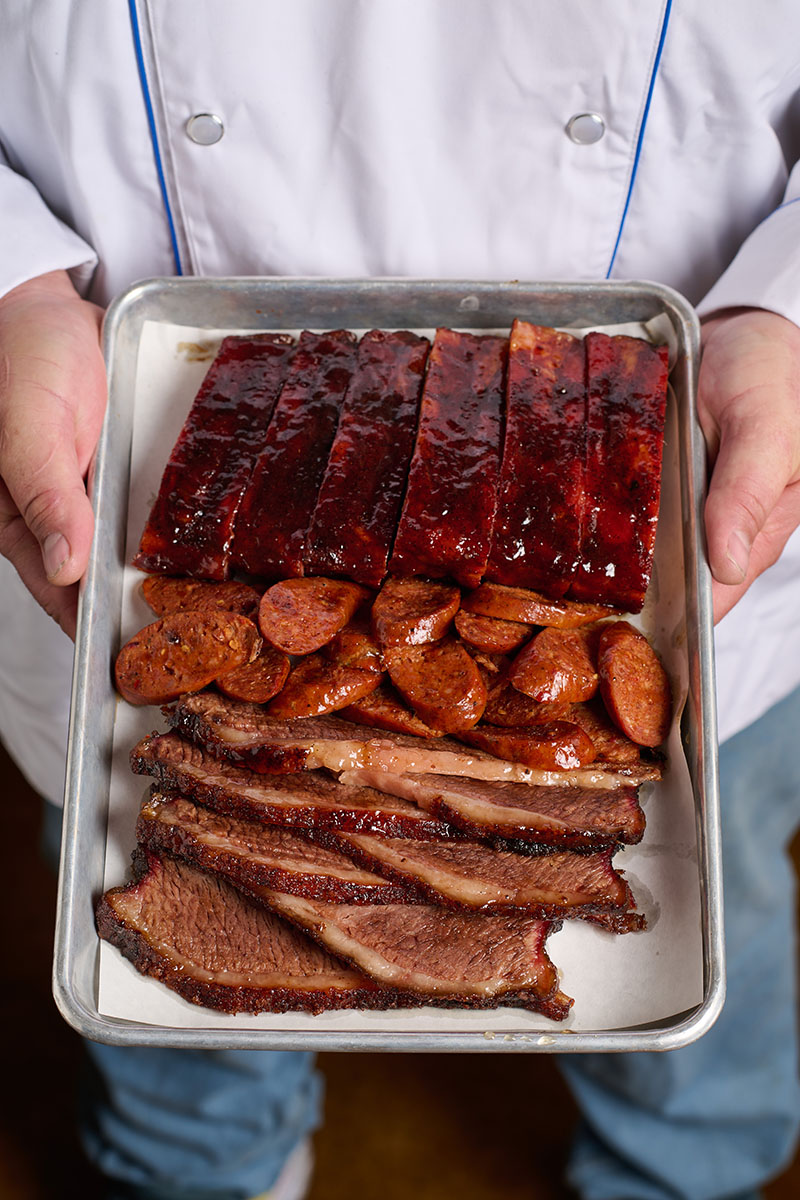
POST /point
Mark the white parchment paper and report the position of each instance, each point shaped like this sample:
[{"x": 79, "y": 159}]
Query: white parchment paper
[{"x": 616, "y": 981}]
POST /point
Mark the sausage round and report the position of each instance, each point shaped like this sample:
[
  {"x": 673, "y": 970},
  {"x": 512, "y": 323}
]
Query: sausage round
[
  {"x": 441, "y": 682},
  {"x": 166, "y": 594},
  {"x": 383, "y": 709},
  {"x": 300, "y": 616},
  {"x": 553, "y": 746},
  {"x": 634, "y": 685},
  {"x": 355, "y": 646},
  {"x": 316, "y": 686},
  {"x": 555, "y": 665},
  {"x": 183, "y": 652},
  {"x": 521, "y": 604},
  {"x": 491, "y": 634},
  {"x": 258, "y": 681},
  {"x": 411, "y": 612}
]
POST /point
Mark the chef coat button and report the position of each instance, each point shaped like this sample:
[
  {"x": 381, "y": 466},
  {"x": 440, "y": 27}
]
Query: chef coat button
[
  {"x": 205, "y": 128},
  {"x": 585, "y": 128}
]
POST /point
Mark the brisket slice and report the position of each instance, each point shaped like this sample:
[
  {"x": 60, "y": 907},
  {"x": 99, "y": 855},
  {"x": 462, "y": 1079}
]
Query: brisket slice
[
  {"x": 307, "y": 800},
  {"x": 559, "y": 816},
  {"x": 206, "y": 941},
  {"x": 245, "y": 734},
  {"x": 253, "y": 853},
  {"x": 468, "y": 874},
  {"x": 456, "y": 873},
  {"x": 439, "y": 956}
]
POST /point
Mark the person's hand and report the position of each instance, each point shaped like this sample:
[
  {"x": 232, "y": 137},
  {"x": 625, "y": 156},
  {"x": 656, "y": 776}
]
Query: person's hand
[
  {"x": 52, "y": 400},
  {"x": 749, "y": 409}
]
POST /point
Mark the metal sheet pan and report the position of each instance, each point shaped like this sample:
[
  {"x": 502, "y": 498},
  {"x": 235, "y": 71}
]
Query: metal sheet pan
[{"x": 275, "y": 304}]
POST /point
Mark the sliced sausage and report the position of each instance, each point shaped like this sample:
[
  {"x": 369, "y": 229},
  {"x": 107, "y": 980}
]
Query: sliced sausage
[
  {"x": 440, "y": 681},
  {"x": 512, "y": 709},
  {"x": 258, "y": 681},
  {"x": 355, "y": 646},
  {"x": 610, "y": 743},
  {"x": 316, "y": 686},
  {"x": 634, "y": 685},
  {"x": 555, "y": 665},
  {"x": 166, "y": 594},
  {"x": 490, "y": 634},
  {"x": 520, "y": 604},
  {"x": 299, "y": 616},
  {"x": 383, "y": 709},
  {"x": 183, "y": 652},
  {"x": 556, "y": 745},
  {"x": 410, "y": 612},
  {"x": 493, "y": 665}
]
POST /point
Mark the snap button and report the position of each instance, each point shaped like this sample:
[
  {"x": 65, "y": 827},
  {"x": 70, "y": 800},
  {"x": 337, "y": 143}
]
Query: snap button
[
  {"x": 205, "y": 128},
  {"x": 585, "y": 128}
]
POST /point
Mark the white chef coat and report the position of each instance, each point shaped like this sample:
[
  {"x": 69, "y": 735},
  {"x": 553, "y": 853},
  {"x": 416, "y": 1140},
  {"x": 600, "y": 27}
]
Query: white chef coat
[{"x": 431, "y": 138}]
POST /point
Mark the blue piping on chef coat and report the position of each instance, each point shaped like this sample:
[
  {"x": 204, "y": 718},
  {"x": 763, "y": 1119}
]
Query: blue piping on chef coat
[
  {"x": 654, "y": 73},
  {"x": 151, "y": 121}
]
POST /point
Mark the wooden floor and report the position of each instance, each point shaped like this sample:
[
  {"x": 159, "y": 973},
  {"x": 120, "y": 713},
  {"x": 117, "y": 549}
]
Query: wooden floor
[{"x": 431, "y": 1127}]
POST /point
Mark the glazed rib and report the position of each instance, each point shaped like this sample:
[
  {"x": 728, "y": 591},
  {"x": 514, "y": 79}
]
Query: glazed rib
[
  {"x": 446, "y": 523},
  {"x": 626, "y": 401},
  {"x": 278, "y": 504},
  {"x": 359, "y": 501},
  {"x": 190, "y": 528},
  {"x": 536, "y": 540}
]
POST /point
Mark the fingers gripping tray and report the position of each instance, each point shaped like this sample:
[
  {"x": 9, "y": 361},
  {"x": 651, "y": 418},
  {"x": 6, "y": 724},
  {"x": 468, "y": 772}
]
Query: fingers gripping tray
[{"x": 651, "y": 990}]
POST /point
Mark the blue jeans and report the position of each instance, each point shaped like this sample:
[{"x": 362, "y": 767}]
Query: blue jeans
[{"x": 720, "y": 1117}]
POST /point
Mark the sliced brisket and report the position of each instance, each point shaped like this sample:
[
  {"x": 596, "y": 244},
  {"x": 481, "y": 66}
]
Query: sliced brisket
[
  {"x": 457, "y": 873},
  {"x": 559, "y": 816},
  {"x": 245, "y": 734},
  {"x": 439, "y": 956},
  {"x": 204, "y": 939},
  {"x": 306, "y": 800},
  {"x": 254, "y": 853},
  {"x": 475, "y": 875}
]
